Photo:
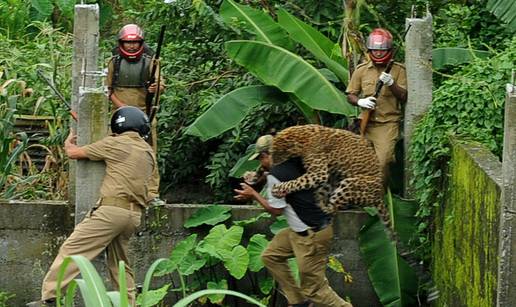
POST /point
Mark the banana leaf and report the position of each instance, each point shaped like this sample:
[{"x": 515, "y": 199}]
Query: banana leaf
[
  {"x": 453, "y": 56},
  {"x": 505, "y": 10},
  {"x": 257, "y": 22},
  {"x": 279, "y": 67},
  {"x": 318, "y": 44},
  {"x": 231, "y": 109},
  {"x": 394, "y": 281}
]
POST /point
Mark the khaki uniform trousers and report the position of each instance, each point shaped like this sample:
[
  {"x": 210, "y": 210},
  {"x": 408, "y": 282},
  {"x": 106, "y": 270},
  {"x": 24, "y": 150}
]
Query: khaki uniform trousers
[
  {"x": 107, "y": 227},
  {"x": 311, "y": 254},
  {"x": 384, "y": 137}
]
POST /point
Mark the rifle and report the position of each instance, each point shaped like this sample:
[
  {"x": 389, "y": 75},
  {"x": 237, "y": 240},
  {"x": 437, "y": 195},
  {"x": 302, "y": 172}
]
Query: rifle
[
  {"x": 150, "y": 102},
  {"x": 379, "y": 85},
  {"x": 58, "y": 94}
]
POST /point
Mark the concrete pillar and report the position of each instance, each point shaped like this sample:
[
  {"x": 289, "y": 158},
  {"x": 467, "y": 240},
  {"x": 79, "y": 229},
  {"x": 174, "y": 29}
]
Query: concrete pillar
[
  {"x": 507, "y": 266},
  {"x": 91, "y": 106},
  {"x": 92, "y": 126},
  {"x": 418, "y": 61}
]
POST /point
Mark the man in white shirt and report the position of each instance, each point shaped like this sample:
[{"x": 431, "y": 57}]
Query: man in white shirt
[{"x": 308, "y": 237}]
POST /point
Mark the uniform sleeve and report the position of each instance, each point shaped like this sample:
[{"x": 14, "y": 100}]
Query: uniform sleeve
[
  {"x": 274, "y": 202},
  {"x": 109, "y": 78},
  {"x": 100, "y": 150},
  {"x": 355, "y": 84},
  {"x": 401, "y": 79}
]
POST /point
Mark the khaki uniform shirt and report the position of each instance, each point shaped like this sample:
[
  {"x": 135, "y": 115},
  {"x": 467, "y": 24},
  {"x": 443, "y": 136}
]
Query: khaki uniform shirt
[
  {"x": 129, "y": 165},
  {"x": 363, "y": 84},
  {"x": 131, "y": 96}
]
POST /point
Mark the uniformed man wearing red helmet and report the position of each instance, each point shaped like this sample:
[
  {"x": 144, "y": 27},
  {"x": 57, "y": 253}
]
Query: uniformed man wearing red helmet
[
  {"x": 127, "y": 80},
  {"x": 383, "y": 126}
]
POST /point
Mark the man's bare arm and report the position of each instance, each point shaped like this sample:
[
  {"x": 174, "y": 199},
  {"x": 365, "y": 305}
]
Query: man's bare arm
[
  {"x": 72, "y": 150},
  {"x": 248, "y": 193}
]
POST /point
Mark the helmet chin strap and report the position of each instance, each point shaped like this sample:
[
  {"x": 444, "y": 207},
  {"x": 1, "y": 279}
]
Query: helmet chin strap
[
  {"x": 383, "y": 60},
  {"x": 131, "y": 56}
]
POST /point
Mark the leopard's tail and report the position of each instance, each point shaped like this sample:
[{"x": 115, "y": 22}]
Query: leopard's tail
[{"x": 424, "y": 275}]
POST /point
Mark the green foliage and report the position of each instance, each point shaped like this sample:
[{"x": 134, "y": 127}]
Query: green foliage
[
  {"x": 4, "y": 297},
  {"x": 462, "y": 25},
  {"x": 210, "y": 215},
  {"x": 220, "y": 259},
  {"x": 10, "y": 147},
  {"x": 394, "y": 281},
  {"x": 468, "y": 104}
]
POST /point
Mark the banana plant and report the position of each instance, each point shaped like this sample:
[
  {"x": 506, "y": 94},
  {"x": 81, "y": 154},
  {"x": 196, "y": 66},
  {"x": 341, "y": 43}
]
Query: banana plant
[
  {"x": 394, "y": 281},
  {"x": 287, "y": 77}
]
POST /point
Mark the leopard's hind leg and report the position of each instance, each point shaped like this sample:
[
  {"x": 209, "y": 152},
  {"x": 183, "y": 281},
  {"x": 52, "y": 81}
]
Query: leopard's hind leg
[{"x": 359, "y": 190}]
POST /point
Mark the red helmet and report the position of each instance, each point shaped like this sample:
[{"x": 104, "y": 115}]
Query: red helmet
[
  {"x": 380, "y": 39},
  {"x": 130, "y": 33}
]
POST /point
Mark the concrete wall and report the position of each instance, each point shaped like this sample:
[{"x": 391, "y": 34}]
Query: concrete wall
[
  {"x": 30, "y": 234},
  {"x": 467, "y": 227}
]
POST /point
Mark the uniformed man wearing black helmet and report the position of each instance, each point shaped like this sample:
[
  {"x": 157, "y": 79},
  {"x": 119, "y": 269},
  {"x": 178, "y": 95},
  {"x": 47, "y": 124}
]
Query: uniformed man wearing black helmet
[
  {"x": 127, "y": 80},
  {"x": 130, "y": 163}
]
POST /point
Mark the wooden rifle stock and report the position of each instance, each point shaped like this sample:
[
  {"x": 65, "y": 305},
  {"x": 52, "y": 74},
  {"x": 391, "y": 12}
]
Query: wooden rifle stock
[{"x": 367, "y": 114}]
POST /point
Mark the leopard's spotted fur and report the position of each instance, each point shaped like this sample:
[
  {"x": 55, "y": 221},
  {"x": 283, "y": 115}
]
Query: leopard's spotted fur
[{"x": 336, "y": 161}]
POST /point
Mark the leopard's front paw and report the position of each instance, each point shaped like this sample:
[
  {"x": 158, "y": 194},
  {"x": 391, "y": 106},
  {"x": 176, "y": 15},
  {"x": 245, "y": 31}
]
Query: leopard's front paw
[{"x": 278, "y": 191}]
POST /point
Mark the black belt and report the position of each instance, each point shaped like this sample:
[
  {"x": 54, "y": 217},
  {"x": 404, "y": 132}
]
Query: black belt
[{"x": 305, "y": 233}]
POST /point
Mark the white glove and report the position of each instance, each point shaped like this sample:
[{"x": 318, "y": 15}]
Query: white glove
[
  {"x": 367, "y": 103},
  {"x": 386, "y": 78}
]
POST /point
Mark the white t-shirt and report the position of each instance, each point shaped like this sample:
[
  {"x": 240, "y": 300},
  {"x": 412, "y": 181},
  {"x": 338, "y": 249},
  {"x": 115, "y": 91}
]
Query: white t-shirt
[{"x": 293, "y": 220}]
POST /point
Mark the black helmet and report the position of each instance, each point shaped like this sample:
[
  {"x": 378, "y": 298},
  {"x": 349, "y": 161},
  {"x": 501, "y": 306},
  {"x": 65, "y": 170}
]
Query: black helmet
[{"x": 129, "y": 118}]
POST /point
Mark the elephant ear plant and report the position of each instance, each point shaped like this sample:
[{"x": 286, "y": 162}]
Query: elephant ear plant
[{"x": 219, "y": 259}]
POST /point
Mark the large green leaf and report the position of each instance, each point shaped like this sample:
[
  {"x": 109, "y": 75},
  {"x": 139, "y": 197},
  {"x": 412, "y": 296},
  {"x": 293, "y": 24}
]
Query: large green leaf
[
  {"x": 152, "y": 297},
  {"x": 279, "y": 67},
  {"x": 190, "y": 265},
  {"x": 394, "y": 281},
  {"x": 223, "y": 238},
  {"x": 256, "y": 21},
  {"x": 236, "y": 261},
  {"x": 279, "y": 224},
  {"x": 244, "y": 164},
  {"x": 218, "y": 297},
  {"x": 44, "y": 7},
  {"x": 504, "y": 10},
  {"x": 252, "y": 220},
  {"x": 66, "y": 6},
  {"x": 255, "y": 248},
  {"x": 318, "y": 44},
  {"x": 183, "y": 250},
  {"x": 453, "y": 56},
  {"x": 210, "y": 215},
  {"x": 231, "y": 109}
]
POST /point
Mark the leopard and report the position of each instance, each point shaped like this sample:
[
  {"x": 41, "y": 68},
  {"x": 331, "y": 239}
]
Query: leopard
[
  {"x": 343, "y": 170},
  {"x": 337, "y": 162}
]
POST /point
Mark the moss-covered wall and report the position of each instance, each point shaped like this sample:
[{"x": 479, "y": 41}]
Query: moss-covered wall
[{"x": 466, "y": 230}]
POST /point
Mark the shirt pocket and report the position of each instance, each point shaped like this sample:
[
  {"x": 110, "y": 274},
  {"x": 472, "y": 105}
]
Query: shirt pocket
[{"x": 368, "y": 87}]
